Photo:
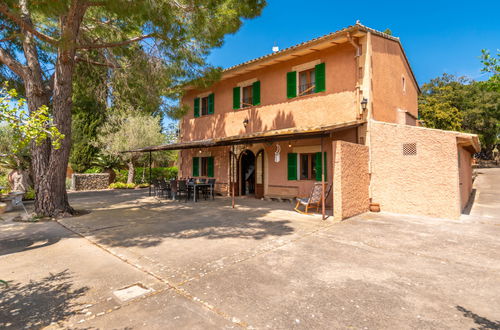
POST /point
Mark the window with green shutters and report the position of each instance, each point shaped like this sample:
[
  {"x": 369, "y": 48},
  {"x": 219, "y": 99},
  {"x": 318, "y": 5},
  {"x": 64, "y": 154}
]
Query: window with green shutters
[
  {"x": 211, "y": 103},
  {"x": 292, "y": 166},
  {"x": 256, "y": 93},
  {"x": 204, "y": 105},
  {"x": 236, "y": 98},
  {"x": 196, "y": 107},
  {"x": 246, "y": 96},
  {"x": 210, "y": 167},
  {"x": 196, "y": 166},
  {"x": 319, "y": 168},
  {"x": 291, "y": 84},
  {"x": 320, "y": 77}
]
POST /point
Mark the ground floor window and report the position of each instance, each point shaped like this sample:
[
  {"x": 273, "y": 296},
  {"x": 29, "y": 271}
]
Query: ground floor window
[
  {"x": 307, "y": 166},
  {"x": 203, "y": 166}
]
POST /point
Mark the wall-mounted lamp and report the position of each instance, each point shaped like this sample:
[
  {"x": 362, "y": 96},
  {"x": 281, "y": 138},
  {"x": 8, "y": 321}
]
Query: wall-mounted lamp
[
  {"x": 364, "y": 103},
  {"x": 245, "y": 122},
  {"x": 289, "y": 144},
  {"x": 199, "y": 151}
]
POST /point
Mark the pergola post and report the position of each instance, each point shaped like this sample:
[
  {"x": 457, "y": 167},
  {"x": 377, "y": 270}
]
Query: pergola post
[
  {"x": 232, "y": 172},
  {"x": 323, "y": 169},
  {"x": 150, "y": 173}
]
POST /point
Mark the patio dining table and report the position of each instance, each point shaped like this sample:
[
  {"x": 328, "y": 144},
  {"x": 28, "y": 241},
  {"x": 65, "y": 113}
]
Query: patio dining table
[{"x": 200, "y": 185}]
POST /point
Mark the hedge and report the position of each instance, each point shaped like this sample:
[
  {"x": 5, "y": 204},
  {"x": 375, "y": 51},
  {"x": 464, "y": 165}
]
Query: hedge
[{"x": 156, "y": 172}]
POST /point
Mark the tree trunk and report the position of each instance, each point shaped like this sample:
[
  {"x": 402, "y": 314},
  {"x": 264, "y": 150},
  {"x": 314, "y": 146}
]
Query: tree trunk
[
  {"x": 49, "y": 164},
  {"x": 131, "y": 172}
]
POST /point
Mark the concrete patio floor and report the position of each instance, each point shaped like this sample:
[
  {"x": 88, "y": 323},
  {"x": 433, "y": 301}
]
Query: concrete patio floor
[{"x": 260, "y": 265}]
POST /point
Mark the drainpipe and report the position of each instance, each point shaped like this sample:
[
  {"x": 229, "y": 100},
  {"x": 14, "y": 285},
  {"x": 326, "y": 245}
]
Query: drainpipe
[{"x": 356, "y": 57}]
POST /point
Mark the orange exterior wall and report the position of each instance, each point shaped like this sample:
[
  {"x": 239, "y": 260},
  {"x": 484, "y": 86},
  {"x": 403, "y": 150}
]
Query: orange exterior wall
[
  {"x": 276, "y": 181},
  {"x": 337, "y": 104},
  {"x": 389, "y": 66},
  {"x": 465, "y": 171},
  {"x": 351, "y": 181},
  {"x": 422, "y": 184}
]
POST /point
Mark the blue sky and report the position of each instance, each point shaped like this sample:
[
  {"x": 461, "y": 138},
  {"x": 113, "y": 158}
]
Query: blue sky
[{"x": 438, "y": 36}]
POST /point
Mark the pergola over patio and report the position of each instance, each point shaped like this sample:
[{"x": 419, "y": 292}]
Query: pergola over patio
[{"x": 259, "y": 137}]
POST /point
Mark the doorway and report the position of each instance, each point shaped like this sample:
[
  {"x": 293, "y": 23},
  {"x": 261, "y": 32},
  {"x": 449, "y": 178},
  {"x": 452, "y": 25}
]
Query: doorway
[{"x": 247, "y": 173}]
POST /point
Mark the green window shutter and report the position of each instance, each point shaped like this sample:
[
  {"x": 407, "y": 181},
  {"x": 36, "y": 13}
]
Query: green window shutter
[
  {"x": 256, "y": 93},
  {"x": 318, "y": 167},
  {"x": 291, "y": 84},
  {"x": 236, "y": 98},
  {"x": 319, "y": 74},
  {"x": 292, "y": 166},
  {"x": 210, "y": 165},
  {"x": 196, "y": 166},
  {"x": 211, "y": 99},
  {"x": 196, "y": 107}
]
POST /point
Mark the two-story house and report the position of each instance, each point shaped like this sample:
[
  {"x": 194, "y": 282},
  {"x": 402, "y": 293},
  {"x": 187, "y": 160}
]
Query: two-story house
[{"x": 345, "y": 105}]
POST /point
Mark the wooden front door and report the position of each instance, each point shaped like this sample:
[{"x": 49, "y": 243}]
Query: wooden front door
[{"x": 259, "y": 174}]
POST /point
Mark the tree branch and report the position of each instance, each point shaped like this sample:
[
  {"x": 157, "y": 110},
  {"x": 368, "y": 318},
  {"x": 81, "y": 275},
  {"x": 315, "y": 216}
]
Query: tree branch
[
  {"x": 116, "y": 44},
  {"x": 11, "y": 62},
  {"x": 86, "y": 60},
  {"x": 25, "y": 25}
]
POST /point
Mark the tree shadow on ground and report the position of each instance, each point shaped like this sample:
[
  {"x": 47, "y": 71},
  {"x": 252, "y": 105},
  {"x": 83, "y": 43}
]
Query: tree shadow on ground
[
  {"x": 482, "y": 322},
  {"x": 148, "y": 224},
  {"x": 39, "y": 303},
  {"x": 22, "y": 242}
]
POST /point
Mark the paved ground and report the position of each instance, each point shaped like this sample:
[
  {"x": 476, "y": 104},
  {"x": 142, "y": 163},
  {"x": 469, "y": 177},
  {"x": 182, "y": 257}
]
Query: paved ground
[{"x": 260, "y": 266}]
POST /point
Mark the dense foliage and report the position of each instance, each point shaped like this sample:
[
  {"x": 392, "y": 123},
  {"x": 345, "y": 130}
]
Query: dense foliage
[
  {"x": 461, "y": 104},
  {"x": 43, "y": 41}
]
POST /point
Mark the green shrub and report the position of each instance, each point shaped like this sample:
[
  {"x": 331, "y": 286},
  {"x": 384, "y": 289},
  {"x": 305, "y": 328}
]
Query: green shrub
[
  {"x": 94, "y": 169},
  {"x": 142, "y": 185},
  {"x": 121, "y": 185},
  {"x": 30, "y": 194},
  {"x": 121, "y": 175},
  {"x": 68, "y": 183},
  {"x": 156, "y": 172},
  {"x": 4, "y": 181}
]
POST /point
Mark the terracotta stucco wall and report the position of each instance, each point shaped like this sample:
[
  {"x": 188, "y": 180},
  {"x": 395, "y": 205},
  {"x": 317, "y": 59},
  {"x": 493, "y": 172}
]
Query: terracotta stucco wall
[
  {"x": 337, "y": 104},
  {"x": 275, "y": 174},
  {"x": 465, "y": 167},
  {"x": 351, "y": 179},
  {"x": 421, "y": 184},
  {"x": 389, "y": 68}
]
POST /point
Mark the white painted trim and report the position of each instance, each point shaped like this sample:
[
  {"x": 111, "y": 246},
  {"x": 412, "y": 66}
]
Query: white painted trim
[
  {"x": 307, "y": 149},
  {"x": 246, "y": 82},
  {"x": 306, "y": 66},
  {"x": 205, "y": 94}
]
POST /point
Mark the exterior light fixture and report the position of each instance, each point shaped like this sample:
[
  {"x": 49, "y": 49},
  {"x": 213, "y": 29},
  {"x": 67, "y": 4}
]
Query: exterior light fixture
[
  {"x": 289, "y": 144},
  {"x": 245, "y": 122},
  {"x": 364, "y": 103},
  {"x": 199, "y": 151}
]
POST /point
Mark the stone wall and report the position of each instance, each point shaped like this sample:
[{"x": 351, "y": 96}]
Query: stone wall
[
  {"x": 90, "y": 181},
  {"x": 351, "y": 180}
]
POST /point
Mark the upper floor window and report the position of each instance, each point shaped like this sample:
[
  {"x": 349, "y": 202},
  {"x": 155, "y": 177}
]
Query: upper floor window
[
  {"x": 247, "y": 94},
  {"x": 247, "y": 100},
  {"x": 306, "y": 79},
  {"x": 204, "y": 105},
  {"x": 307, "y": 82},
  {"x": 403, "y": 82}
]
